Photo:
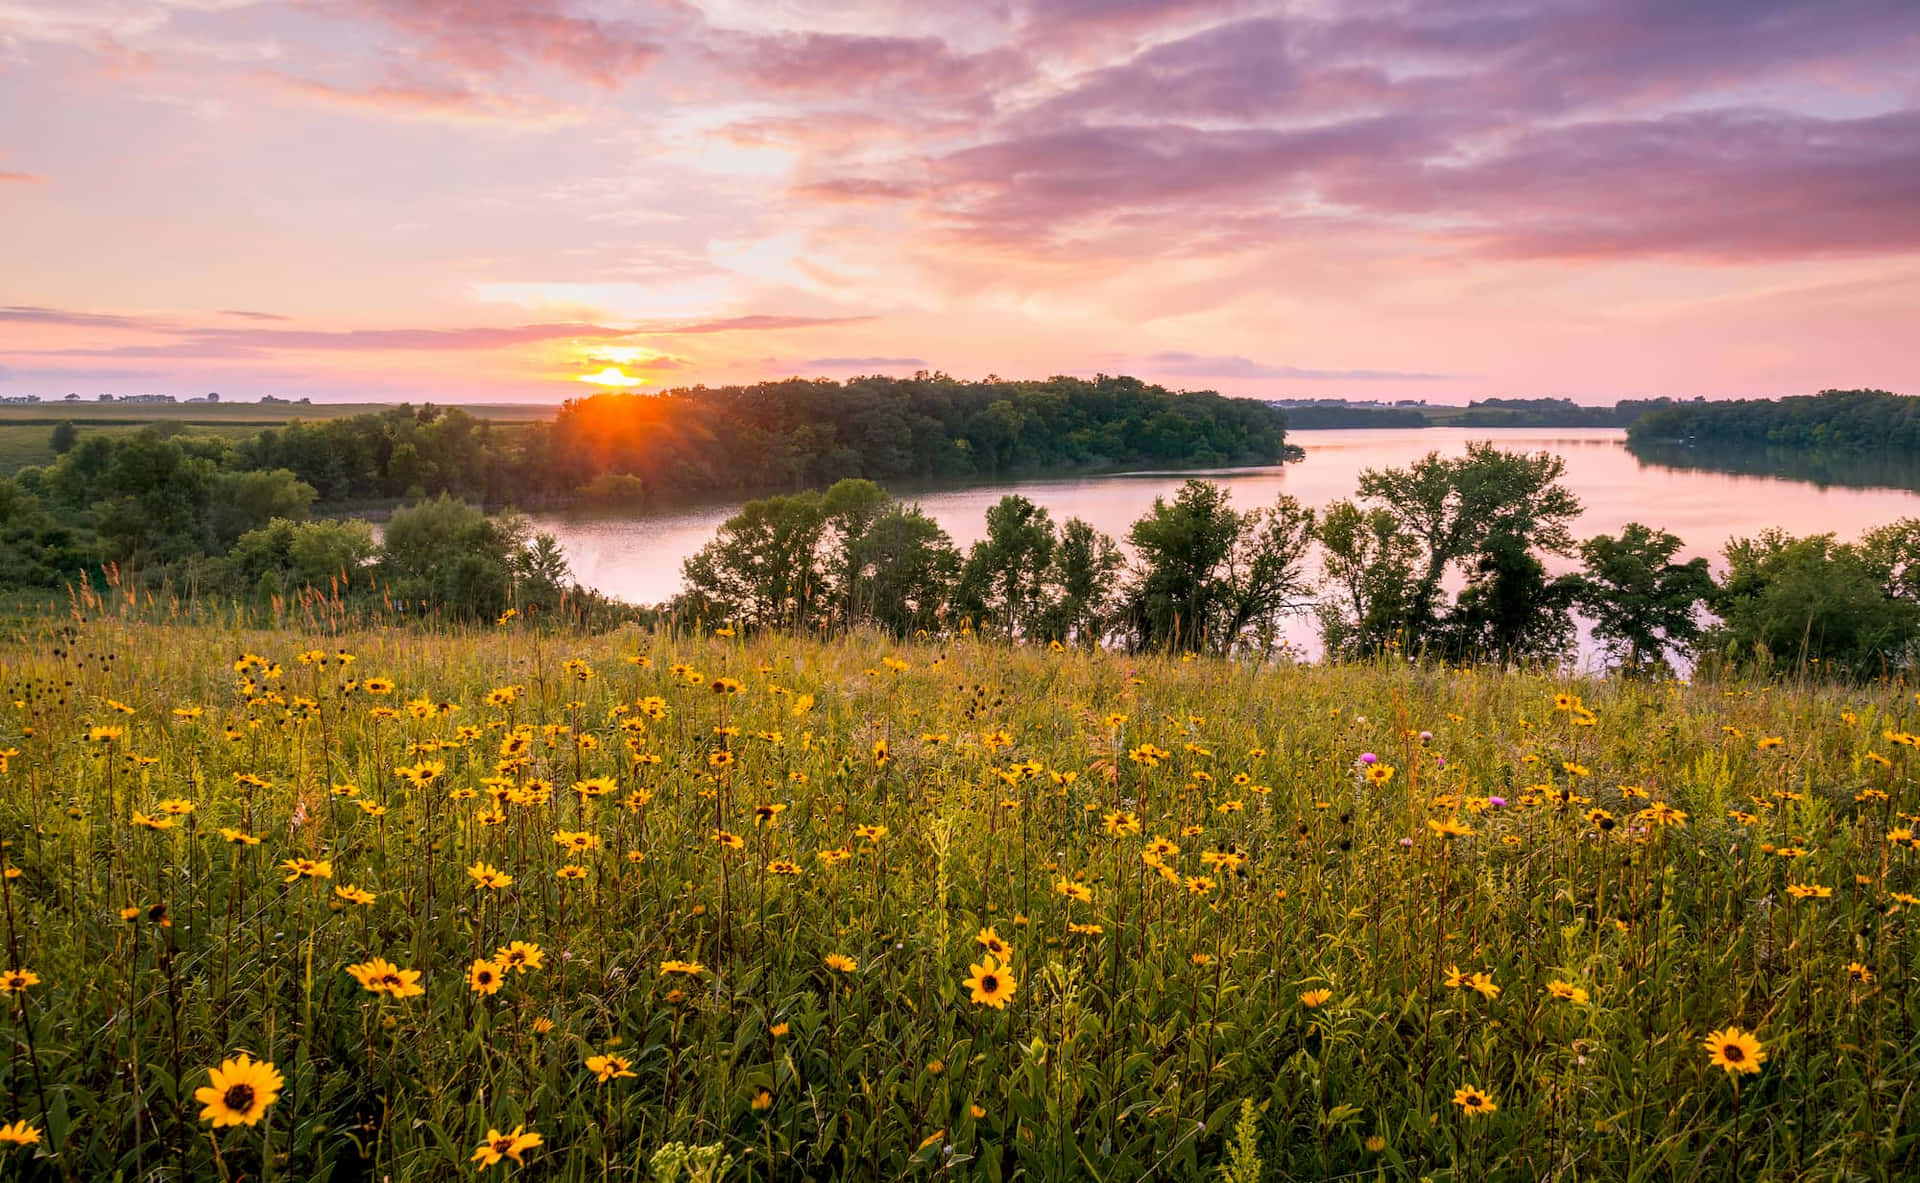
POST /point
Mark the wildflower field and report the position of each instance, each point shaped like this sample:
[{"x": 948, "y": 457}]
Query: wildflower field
[{"x": 386, "y": 904}]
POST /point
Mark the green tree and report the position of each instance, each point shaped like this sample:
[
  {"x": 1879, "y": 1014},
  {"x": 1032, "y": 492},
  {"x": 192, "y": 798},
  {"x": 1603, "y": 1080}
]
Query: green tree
[
  {"x": 448, "y": 555},
  {"x": 1206, "y": 575},
  {"x": 542, "y": 577},
  {"x": 152, "y": 500},
  {"x": 1476, "y": 513},
  {"x": 286, "y": 556},
  {"x": 247, "y": 500},
  {"x": 1811, "y": 600},
  {"x": 1080, "y": 585},
  {"x": 1892, "y": 552},
  {"x": 764, "y": 567},
  {"x": 902, "y": 571},
  {"x": 1643, "y": 604},
  {"x": 1510, "y": 608},
  {"x": 64, "y": 436},
  {"x": 1005, "y": 584},
  {"x": 1367, "y": 575}
]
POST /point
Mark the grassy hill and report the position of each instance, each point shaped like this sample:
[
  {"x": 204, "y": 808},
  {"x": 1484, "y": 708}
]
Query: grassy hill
[{"x": 851, "y": 910}]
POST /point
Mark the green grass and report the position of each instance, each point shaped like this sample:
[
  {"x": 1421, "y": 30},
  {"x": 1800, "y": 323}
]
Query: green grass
[
  {"x": 1159, "y": 1029},
  {"x": 26, "y": 430}
]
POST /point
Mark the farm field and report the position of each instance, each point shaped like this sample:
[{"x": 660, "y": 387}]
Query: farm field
[
  {"x": 365, "y": 903},
  {"x": 26, "y": 429}
]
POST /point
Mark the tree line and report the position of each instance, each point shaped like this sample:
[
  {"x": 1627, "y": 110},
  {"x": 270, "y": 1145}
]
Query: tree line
[
  {"x": 1445, "y": 557},
  {"x": 1833, "y": 420},
  {"x": 729, "y": 440},
  {"x": 1486, "y": 412}
]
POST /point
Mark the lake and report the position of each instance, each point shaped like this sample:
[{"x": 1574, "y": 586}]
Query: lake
[{"x": 637, "y": 557}]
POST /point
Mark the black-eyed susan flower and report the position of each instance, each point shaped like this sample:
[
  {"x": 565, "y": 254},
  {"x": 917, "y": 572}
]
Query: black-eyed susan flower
[
  {"x": 487, "y": 876},
  {"x": 1738, "y": 1052},
  {"x": 1473, "y": 1101},
  {"x": 485, "y": 977},
  {"x": 519, "y": 956},
  {"x": 609, "y": 1067},
  {"x": 239, "y": 1091},
  {"x": 20, "y": 1133},
  {"x": 840, "y": 963},
  {"x": 990, "y": 984},
  {"x": 380, "y": 976},
  {"x": 18, "y": 981},
  {"x": 497, "y": 1146},
  {"x": 1567, "y": 991}
]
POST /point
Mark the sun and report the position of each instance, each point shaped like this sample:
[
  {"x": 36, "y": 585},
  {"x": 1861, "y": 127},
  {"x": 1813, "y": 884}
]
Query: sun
[{"x": 611, "y": 376}]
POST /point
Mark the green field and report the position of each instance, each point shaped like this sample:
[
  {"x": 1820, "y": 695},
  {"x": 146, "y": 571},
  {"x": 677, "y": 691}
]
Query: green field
[
  {"x": 26, "y": 430},
  {"x": 855, "y": 910}
]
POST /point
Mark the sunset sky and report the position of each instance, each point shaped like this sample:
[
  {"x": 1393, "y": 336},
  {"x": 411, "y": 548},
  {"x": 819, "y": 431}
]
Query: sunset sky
[{"x": 463, "y": 200}]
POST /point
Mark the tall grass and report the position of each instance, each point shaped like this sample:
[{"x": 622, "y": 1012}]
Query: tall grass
[{"x": 1271, "y": 999}]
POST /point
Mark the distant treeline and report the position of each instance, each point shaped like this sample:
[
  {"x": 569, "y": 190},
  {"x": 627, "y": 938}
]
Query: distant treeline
[
  {"x": 1488, "y": 412},
  {"x": 718, "y": 441},
  {"x": 1833, "y": 420}
]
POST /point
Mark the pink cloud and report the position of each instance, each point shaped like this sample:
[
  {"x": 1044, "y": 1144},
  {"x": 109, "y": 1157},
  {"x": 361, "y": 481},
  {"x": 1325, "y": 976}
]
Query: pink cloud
[
  {"x": 841, "y": 63},
  {"x": 858, "y": 190},
  {"x": 490, "y": 36}
]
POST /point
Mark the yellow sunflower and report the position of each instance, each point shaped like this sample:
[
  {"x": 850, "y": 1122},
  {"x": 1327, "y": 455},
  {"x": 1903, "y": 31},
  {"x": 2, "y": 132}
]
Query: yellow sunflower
[
  {"x": 991, "y": 984},
  {"x": 239, "y": 1091},
  {"x": 1737, "y": 1051}
]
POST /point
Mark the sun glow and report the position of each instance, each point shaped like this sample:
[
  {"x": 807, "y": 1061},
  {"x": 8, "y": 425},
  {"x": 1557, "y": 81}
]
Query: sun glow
[{"x": 611, "y": 376}]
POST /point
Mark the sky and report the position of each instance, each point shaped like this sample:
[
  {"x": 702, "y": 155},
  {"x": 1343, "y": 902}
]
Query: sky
[{"x": 531, "y": 200}]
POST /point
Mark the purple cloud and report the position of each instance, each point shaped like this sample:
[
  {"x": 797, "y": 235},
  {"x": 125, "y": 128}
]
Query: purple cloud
[
  {"x": 1744, "y": 184},
  {"x": 491, "y": 37},
  {"x": 30, "y": 314},
  {"x": 1197, "y": 365},
  {"x": 740, "y": 324},
  {"x": 865, "y": 363}
]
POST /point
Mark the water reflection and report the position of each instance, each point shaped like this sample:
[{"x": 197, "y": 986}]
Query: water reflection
[{"x": 1852, "y": 470}]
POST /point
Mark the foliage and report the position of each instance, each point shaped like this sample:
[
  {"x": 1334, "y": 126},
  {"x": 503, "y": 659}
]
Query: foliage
[
  {"x": 750, "y": 875},
  {"x": 1848, "y": 608},
  {"x": 1833, "y": 420},
  {"x": 1367, "y": 572},
  {"x": 1206, "y": 575},
  {"x": 1486, "y": 513},
  {"x": 285, "y": 555},
  {"x": 1642, "y": 603},
  {"x": 801, "y": 560},
  {"x": 448, "y": 555},
  {"x": 1004, "y": 582}
]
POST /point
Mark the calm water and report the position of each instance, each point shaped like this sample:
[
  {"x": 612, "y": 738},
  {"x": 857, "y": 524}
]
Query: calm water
[{"x": 637, "y": 558}]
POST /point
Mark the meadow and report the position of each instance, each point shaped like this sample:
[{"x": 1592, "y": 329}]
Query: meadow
[
  {"x": 337, "y": 901},
  {"x": 26, "y": 429}
]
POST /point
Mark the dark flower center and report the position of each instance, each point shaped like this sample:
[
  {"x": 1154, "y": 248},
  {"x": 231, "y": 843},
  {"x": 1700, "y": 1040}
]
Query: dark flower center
[
  {"x": 990, "y": 984},
  {"x": 502, "y": 1145},
  {"x": 1733, "y": 1052},
  {"x": 239, "y": 1098}
]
